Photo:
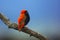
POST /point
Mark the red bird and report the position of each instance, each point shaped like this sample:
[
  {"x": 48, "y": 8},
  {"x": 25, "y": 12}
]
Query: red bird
[{"x": 23, "y": 19}]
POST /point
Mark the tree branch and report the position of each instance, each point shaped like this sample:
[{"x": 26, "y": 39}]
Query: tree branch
[{"x": 25, "y": 29}]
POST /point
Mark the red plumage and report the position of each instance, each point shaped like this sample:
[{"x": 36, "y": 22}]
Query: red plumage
[{"x": 22, "y": 18}]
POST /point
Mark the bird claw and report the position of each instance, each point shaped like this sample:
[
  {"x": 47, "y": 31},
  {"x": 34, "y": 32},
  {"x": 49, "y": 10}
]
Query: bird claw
[{"x": 19, "y": 30}]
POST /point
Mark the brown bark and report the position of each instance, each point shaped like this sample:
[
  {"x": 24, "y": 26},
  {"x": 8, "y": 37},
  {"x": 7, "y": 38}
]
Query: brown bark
[{"x": 25, "y": 29}]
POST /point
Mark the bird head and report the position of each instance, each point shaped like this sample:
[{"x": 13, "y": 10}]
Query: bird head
[{"x": 23, "y": 11}]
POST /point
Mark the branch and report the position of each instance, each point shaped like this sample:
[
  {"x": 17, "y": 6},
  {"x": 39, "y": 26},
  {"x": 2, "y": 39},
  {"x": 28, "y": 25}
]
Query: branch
[{"x": 25, "y": 29}]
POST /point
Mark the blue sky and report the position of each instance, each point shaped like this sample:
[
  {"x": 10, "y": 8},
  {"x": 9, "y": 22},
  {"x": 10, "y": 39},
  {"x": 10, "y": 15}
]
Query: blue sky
[{"x": 44, "y": 14}]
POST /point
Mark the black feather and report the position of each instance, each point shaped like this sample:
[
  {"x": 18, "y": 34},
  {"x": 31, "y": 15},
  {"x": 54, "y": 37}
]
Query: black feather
[{"x": 27, "y": 18}]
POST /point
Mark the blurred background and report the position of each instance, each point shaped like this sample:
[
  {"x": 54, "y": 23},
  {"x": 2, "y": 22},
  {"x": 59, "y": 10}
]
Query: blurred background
[{"x": 44, "y": 14}]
